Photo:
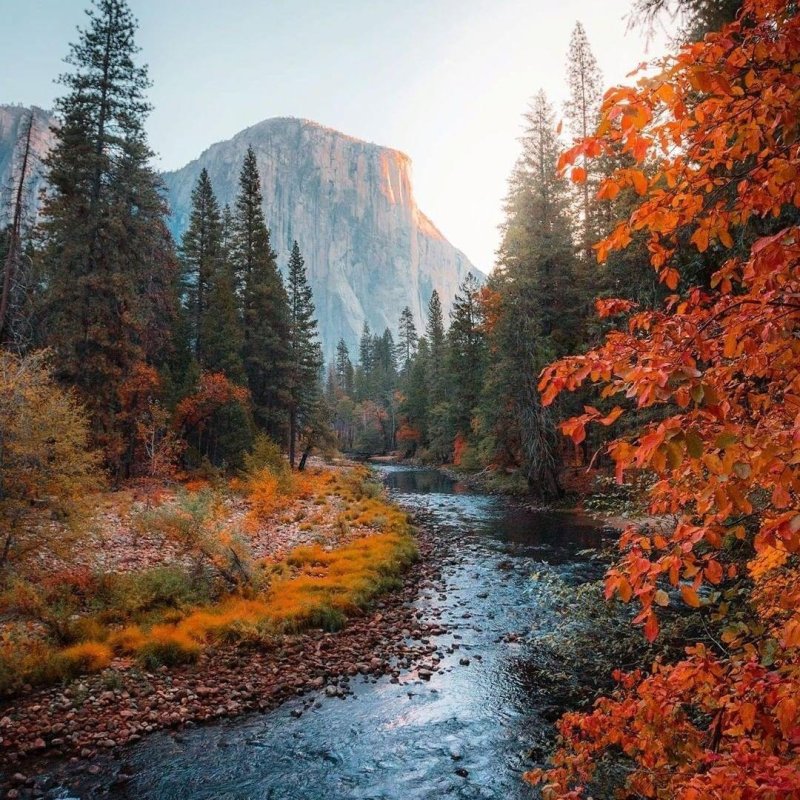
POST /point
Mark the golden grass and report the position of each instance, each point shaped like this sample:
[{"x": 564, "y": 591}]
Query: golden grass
[
  {"x": 322, "y": 589},
  {"x": 127, "y": 640},
  {"x": 167, "y": 645},
  {"x": 313, "y": 587},
  {"x": 87, "y": 656}
]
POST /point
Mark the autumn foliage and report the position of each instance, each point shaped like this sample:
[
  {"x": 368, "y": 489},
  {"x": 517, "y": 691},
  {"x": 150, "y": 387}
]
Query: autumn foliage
[
  {"x": 45, "y": 466},
  {"x": 213, "y": 392},
  {"x": 715, "y": 140}
]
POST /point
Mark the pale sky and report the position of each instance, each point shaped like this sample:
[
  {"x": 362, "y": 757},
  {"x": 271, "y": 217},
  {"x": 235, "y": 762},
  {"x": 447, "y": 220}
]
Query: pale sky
[{"x": 446, "y": 81}]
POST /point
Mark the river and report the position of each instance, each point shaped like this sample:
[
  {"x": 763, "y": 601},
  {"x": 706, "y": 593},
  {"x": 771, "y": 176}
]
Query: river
[{"x": 467, "y": 731}]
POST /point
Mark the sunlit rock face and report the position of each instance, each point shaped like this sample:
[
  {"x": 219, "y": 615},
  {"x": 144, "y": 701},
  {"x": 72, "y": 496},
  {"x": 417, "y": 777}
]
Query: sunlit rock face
[
  {"x": 369, "y": 250},
  {"x": 13, "y": 125}
]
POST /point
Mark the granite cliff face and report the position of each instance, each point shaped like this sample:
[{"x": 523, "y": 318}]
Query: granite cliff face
[
  {"x": 13, "y": 124},
  {"x": 369, "y": 250}
]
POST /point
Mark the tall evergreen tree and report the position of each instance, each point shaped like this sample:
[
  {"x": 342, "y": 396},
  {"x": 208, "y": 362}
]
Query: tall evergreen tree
[
  {"x": 466, "y": 353},
  {"x": 364, "y": 373},
  {"x": 221, "y": 330},
  {"x": 407, "y": 336},
  {"x": 697, "y": 17},
  {"x": 435, "y": 334},
  {"x": 265, "y": 306},
  {"x": 537, "y": 314},
  {"x": 12, "y": 240},
  {"x": 108, "y": 266},
  {"x": 227, "y": 236},
  {"x": 344, "y": 368},
  {"x": 366, "y": 348},
  {"x": 585, "y": 83},
  {"x": 415, "y": 400},
  {"x": 305, "y": 355},
  {"x": 201, "y": 257}
]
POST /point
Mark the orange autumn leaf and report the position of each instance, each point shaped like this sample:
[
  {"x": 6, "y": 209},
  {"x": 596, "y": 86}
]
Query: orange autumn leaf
[
  {"x": 690, "y": 596},
  {"x": 718, "y": 368}
]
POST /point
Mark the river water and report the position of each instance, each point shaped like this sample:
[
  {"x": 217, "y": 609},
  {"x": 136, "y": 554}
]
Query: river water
[{"x": 469, "y": 731}]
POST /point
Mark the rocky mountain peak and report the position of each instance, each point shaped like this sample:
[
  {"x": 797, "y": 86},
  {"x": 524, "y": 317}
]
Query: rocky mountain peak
[{"x": 350, "y": 204}]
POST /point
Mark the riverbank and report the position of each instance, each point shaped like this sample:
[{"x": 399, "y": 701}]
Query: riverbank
[
  {"x": 93, "y": 721},
  {"x": 96, "y": 716},
  {"x": 472, "y": 708}
]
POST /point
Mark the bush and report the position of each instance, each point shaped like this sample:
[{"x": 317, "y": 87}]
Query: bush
[
  {"x": 470, "y": 459},
  {"x": 264, "y": 495},
  {"x": 47, "y": 467},
  {"x": 85, "y": 629},
  {"x": 87, "y": 657},
  {"x": 197, "y": 523},
  {"x": 267, "y": 455},
  {"x": 167, "y": 646},
  {"x": 54, "y": 601},
  {"x": 128, "y": 640},
  {"x": 160, "y": 588},
  {"x": 32, "y": 662}
]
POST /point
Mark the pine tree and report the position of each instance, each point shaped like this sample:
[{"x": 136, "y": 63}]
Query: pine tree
[
  {"x": 108, "y": 265},
  {"x": 201, "y": 257},
  {"x": 697, "y": 17},
  {"x": 305, "y": 359},
  {"x": 384, "y": 363},
  {"x": 407, "y": 336},
  {"x": 265, "y": 306},
  {"x": 364, "y": 374},
  {"x": 435, "y": 334},
  {"x": 227, "y": 235},
  {"x": 12, "y": 250},
  {"x": 384, "y": 382},
  {"x": 466, "y": 352},
  {"x": 414, "y": 387},
  {"x": 221, "y": 330},
  {"x": 344, "y": 368},
  {"x": 365, "y": 348},
  {"x": 585, "y": 91},
  {"x": 538, "y": 314}
]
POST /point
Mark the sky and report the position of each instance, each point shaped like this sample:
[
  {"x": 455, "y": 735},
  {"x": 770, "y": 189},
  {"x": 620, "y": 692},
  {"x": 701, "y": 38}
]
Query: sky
[{"x": 445, "y": 81}]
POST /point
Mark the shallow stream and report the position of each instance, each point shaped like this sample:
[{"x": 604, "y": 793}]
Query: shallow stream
[{"x": 467, "y": 731}]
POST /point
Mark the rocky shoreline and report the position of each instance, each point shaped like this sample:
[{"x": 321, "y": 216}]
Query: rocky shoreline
[{"x": 85, "y": 728}]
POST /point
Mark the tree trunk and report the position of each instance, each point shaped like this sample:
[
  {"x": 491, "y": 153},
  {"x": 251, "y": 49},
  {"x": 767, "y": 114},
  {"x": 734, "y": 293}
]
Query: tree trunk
[
  {"x": 16, "y": 234},
  {"x": 292, "y": 436},
  {"x": 306, "y": 453}
]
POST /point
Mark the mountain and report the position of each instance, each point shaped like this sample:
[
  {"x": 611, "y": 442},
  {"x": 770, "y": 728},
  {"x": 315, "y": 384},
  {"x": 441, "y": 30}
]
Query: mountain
[
  {"x": 13, "y": 124},
  {"x": 368, "y": 248}
]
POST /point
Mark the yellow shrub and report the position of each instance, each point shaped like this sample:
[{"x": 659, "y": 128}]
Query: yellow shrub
[
  {"x": 167, "y": 645},
  {"x": 128, "y": 640},
  {"x": 88, "y": 656}
]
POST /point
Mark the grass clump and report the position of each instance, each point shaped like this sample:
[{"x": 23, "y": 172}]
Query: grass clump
[
  {"x": 87, "y": 657},
  {"x": 128, "y": 640},
  {"x": 161, "y": 588},
  {"x": 167, "y": 646}
]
